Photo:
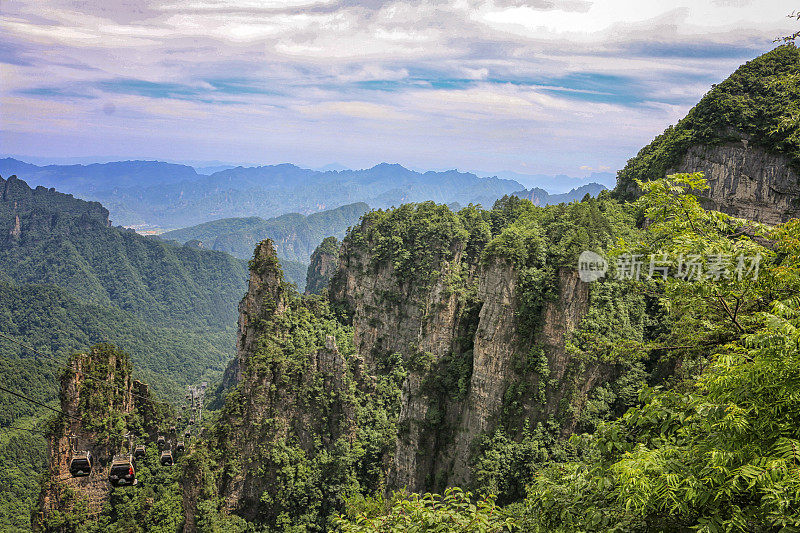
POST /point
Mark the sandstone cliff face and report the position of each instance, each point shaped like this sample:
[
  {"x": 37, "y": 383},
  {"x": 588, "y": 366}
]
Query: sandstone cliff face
[
  {"x": 324, "y": 262},
  {"x": 746, "y": 181},
  {"x": 271, "y": 405},
  {"x": 421, "y": 324},
  {"x": 437, "y": 433},
  {"x": 95, "y": 385},
  {"x": 466, "y": 342},
  {"x": 495, "y": 344}
]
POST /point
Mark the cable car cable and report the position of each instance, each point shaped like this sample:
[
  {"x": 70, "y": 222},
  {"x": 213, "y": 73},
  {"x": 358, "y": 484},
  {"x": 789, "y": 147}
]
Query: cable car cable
[
  {"x": 40, "y": 404},
  {"x": 52, "y": 358},
  {"x": 25, "y": 429}
]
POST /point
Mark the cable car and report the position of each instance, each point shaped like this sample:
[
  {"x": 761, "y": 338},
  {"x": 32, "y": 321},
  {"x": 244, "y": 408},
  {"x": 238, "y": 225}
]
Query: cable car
[
  {"x": 172, "y": 429},
  {"x": 161, "y": 442},
  {"x": 179, "y": 418},
  {"x": 139, "y": 451},
  {"x": 81, "y": 464},
  {"x": 180, "y": 447},
  {"x": 121, "y": 472},
  {"x": 166, "y": 458}
]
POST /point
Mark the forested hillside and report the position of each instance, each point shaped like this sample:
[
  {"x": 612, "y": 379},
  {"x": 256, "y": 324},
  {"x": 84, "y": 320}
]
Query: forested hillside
[
  {"x": 52, "y": 238},
  {"x": 295, "y": 235},
  {"x": 68, "y": 280}
]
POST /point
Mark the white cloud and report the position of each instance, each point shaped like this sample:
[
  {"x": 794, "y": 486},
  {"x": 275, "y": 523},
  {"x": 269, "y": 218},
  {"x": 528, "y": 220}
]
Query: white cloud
[{"x": 467, "y": 83}]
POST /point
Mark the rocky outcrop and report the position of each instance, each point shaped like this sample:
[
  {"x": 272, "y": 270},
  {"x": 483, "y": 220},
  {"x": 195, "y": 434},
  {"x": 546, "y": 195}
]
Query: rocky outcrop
[
  {"x": 296, "y": 397},
  {"x": 265, "y": 297},
  {"x": 422, "y": 324},
  {"x": 746, "y": 181},
  {"x": 495, "y": 344},
  {"x": 97, "y": 393},
  {"x": 429, "y": 326},
  {"x": 16, "y": 231},
  {"x": 324, "y": 262}
]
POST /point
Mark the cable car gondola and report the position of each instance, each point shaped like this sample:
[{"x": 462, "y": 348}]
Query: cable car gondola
[
  {"x": 122, "y": 472},
  {"x": 81, "y": 464},
  {"x": 139, "y": 451},
  {"x": 166, "y": 458},
  {"x": 161, "y": 442},
  {"x": 180, "y": 446}
]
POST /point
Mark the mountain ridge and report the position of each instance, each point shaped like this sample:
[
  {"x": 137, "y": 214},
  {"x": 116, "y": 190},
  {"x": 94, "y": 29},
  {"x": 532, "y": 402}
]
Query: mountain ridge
[
  {"x": 743, "y": 135},
  {"x": 295, "y": 235},
  {"x": 185, "y": 198}
]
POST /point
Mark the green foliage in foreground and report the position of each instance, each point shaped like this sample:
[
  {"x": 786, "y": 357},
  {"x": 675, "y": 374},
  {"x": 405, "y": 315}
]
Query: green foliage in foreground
[{"x": 455, "y": 510}]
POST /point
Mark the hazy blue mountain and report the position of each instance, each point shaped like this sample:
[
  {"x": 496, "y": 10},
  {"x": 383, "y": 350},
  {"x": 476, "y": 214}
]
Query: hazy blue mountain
[
  {"x": 332, "y": 166},
  {"x": 558, "y": 183},
  {"x": 175, "y": 196},
  {"x": 542, "y": 197},
  {"x": 97, "y": 177},
  {"x": 295, "y": 235}
]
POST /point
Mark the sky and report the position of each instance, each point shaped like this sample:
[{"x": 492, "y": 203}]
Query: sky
[{"x": 528, "y": 86}]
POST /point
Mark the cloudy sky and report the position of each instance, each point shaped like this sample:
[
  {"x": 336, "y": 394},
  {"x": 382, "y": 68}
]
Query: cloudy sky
[{"x": 536, "y": 86}]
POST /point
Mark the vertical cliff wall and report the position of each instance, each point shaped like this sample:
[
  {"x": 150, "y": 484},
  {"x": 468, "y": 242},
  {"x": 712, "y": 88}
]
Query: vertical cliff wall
[
  {"x": 438, "y": 330},
  {"x": 455, "y": 326},
  {"x": 301, "y": 402},
  {"x": 100, "y": 403},
  {"x": 746, "y": 181},
  {"x": 743, "y": 134},
  {"x": 324, "y": 262},
  {"x": 418, "y": 319}
]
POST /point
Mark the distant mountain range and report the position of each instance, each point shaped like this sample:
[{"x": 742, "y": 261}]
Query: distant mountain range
[
  {"x": 166, "y": 195},
  {"x": 558, "y": 183},
  {"x": 542, "y": 197}
]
